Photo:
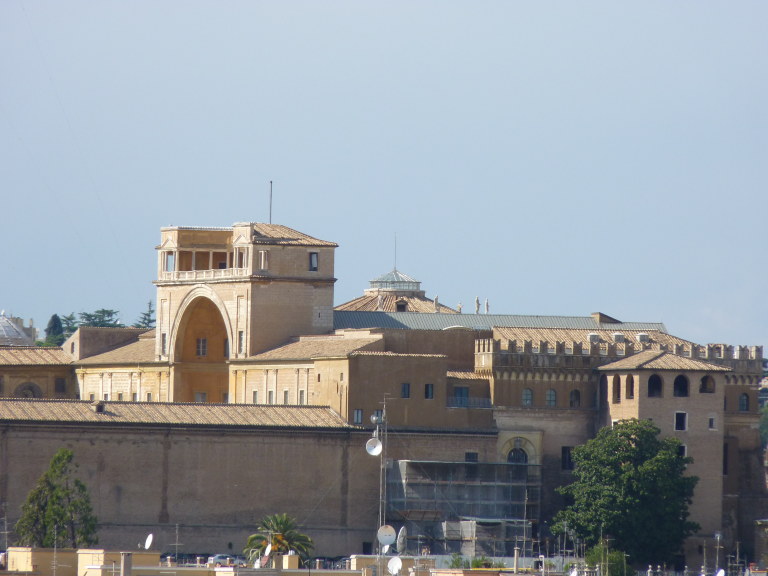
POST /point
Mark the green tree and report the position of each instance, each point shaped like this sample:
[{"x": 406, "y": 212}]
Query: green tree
[
  {"x": 54, "y": 332},
  {"x": 103, "y": 317},
  {"x": 147, "y": 319},
  {"x": 69, "y": 323},
  {"x": 58, "y": 509},
  {"x": 631, "y": 484},
  {"x": 611, "y": 562},
  {"x": 278, "y": 531}
]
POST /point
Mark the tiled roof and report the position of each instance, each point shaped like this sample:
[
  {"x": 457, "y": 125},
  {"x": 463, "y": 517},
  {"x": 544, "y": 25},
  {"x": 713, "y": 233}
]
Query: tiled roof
[
  {"x": 319, "y": 347},
  {"x": 436, "y": 321},
  {"x": 465, "y": 375},
  {"x": 582, "y": 335},
  {"x": 396, "y": 354},
  {"x": 660, "y": 360},
  {"x": 161, "y": 413},
  {"x": 278, "y": 234},
  {"x": 370, "y": 303},
  {"x": 32, "y": 355},
  {"x": 141, "y": 351}
]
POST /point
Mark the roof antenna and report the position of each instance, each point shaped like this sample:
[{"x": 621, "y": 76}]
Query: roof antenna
[
  {"x": 270, "y": 201},
  {"x": 395, "y": 251}
]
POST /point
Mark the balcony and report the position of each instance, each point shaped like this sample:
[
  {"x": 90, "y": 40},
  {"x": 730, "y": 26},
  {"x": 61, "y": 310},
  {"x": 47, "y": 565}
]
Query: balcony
[
  {"x": 468, "y": 402},
  {"x": 197, "y": 275}
]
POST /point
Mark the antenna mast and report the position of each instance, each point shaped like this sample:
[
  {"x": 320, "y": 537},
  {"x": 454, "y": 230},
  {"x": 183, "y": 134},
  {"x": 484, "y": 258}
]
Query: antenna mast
[
  {"x": 395, "y": 250},
  {"x": 270, "y": 201}
]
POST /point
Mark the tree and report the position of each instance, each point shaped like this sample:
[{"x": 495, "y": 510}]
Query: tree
[
  {"x": 147, "y": 319},
  {"x": 103, "y": 317},
  {"x": 70, "y": 324},
  {"x": 279, "y": 531},
  {"x": 631, "y": 484},
  {"x": 54, "y": 332},
  {"x": 58, "y": 509}
]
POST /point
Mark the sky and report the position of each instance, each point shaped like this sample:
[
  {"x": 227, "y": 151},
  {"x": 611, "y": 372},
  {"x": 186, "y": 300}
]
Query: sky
[{"x": 554, "y": 158}]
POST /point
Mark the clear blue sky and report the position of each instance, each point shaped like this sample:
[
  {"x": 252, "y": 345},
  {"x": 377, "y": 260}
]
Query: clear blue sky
[{"x": 556, "y": 158}]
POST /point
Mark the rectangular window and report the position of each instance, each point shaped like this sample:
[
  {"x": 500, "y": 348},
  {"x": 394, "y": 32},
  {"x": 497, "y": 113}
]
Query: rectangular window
[
  {"x": 106, "y": 397},
  {"x": 429, "y": 391},
  {"x": 149, "y": 396},
  {"x": 313, "y": 261},
  {"x": 378, "y": 415},
  {"x": 225, "y": 397},
  {"x": 566, "y": 459},
  {"x": 163, "y": 343},
  {"x": 682, "y": 450},
  {"x": 681, "y": 420},
  {"x": 60, "y": 385},
  {"x": 285, "y": 396},
  {"x": 471, "y": 457},
  {"x": 201, "y": 397},
  {"x": 357, "y": 416},
  {"x": 461, "y": 396},
  {"x": 71, "y": 347},
  {"x": 202, "y": 347},
  {"x": 240, "y": 341},
  {"x": 255, "y": 396},
  {"x": 263, "y": 259},
  {"x": 134, "y": 397},
  {"x": 712, "y": 423},
  {"x": 301, "y": 397},
  {"x": 271, "y": 397},
  {"x": 120, "y": 397},
  {"x": 405, "y": 390},
  {"x": 91, "y": 397},
  {"x": 341, "y": 377},
  {"x": 725, "y": 459},
  {"x": 170, "y": 261}
]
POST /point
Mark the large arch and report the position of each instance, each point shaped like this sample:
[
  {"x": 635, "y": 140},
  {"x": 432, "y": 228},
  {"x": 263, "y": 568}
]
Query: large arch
[{"x": 182, "y": 316}]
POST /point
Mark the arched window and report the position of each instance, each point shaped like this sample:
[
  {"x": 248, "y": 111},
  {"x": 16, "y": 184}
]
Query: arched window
[
  {"x": 616, "y": 389},
  {"x": 629, "y": 387},
  {"x": 527, "y": 397},
  {"x": 517, "y": 456},
  {"x": 707, "y": 385},
  {"x": 551, "y": 397},
  {"x": 655, "y": 386},
  {"x": 28, "y": 390},
  {"x": 744, "y": 403},
  {"x": 574, "y": 400},
  {"x": 680, "y": 386}
]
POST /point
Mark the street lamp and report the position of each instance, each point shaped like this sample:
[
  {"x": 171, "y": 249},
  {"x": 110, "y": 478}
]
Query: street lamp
[{"x": 718, "y": 535}]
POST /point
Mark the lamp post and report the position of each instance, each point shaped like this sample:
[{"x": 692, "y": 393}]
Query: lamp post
[{"x": 718, "y": 535}]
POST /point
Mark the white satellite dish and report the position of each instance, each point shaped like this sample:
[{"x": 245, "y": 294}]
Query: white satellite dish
[
  {"x": 268, "y": 550},
  {"x": 148, "y": 542},
  {"x": 386, "y": 535},
  {"x": 720, "y": 572},
  {"x": 374, "y": 446},
  {"x": 394, "y": 565},
  {"x": 402, "y": 540}
]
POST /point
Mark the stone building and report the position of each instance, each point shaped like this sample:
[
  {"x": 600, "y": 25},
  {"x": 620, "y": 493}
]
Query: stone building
[{"x": 254, "y": 395}]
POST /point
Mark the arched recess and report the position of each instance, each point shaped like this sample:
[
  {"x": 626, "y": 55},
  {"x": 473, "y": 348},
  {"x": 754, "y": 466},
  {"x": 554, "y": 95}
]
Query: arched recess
[
  {"x": 182, "y": 316},
  {"x": 515, "y": 447},
  {"x": 28, "y": 390}
]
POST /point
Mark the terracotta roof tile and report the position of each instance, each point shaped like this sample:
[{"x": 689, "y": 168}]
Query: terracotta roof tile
[
  {"x": 186, "y": 414},
  {"x": 33, "y": 355},
  {"x": 320, "y": 347},
  {"x": 604, "y": 336},
  {"x": 370, "y": 303},
  {"x": 660, "y": 360},
  {"x": 141, "y": 351}
]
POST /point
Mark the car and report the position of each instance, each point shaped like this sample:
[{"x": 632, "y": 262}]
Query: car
[{"x": 221, "y": 560}]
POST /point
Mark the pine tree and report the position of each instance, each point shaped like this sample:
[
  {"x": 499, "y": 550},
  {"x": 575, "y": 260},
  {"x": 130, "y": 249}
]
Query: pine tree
[
  {"x": 147, "y": 319},
  {"x": 54, "y": 332}
]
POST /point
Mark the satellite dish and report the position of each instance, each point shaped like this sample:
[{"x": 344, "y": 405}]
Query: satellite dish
[
  {"x": 148, "y": 542},
  {"x": 374, "y": 446},
  {"x": 386, "y": 535},
  {"x": 720, "y": 572},
  {"x": 394, "y": 565},
  {"x": 268, "y": 550},
  {"x": 402, "y": 540}
]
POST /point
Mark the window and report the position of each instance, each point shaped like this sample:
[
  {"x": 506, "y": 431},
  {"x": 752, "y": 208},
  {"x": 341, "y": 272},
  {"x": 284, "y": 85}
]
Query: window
[
  {"x": 681, "y": 421},
  {"x": 680, "y": 387},
  {"x": 712, "y": 423},
  {"x": 225, "y": 397},
  {"x": 240, "y": 341},
  {"x": 60, "y": 385},
  {"x": 226, "y": 347},
  {"x": 202, "y": 347},
  {"x": 401, "y": 306},
  {"x": 566, "y": 459},
  {"x": 149, "y": 396},
  {"x": 378, "y": 415},
  {"x": 551, "y": 398},
  {"x": 271, "y": 397},
  {"x": 285, "y": 396},
  {"x": 255, "y": 396},
  {"x": 71, "y": 347},
  {"x": 201, "y": 397},
  {"x": 263, "y": 260},
  {"x": 313, "y": 261},
  {"x": 341, "y": 377},
  {"x": 357, "y": 416},
  {"x": 120, "y": 397},
  {"x": 429, "y": 391},
  {"x": 629, "y": 387},
  {"x": 725, "y": 459},
  {"x": 318, "y": 377},
  {"x": 707, "y": 385},
  {"x": 405, "y": 390},
  {"x": 170, "y": 261},
  {"x": 461, "y": 396},
  {"x": 654, "y": 386},
  {"x": 682, "y": 450},
  {"x": 163, "y": 343},
  {"x": 574, "y": 399},
  {"x": 527, "y": 397},
  {"x": 91, "y": 397},
  {"x": 471, "y": 457},
  {"x": 134, "y": 397},
  {"x": 517, "y": 456},
  {"x": 301, "y": 397},
  {"x": 106, "y": 397},
  {"x": 744, "y": 403},
  {"x": 616, "y": 389}
]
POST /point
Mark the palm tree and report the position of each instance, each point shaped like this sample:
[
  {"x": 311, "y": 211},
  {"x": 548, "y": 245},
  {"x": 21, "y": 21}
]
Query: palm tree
[{"x": 278, "y": 532}]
